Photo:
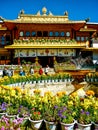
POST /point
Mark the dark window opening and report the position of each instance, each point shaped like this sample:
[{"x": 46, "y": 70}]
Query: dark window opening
[
  {"x": 3, "y": 57},
  {"x": 8, "y": 39},
  {"x": 39, "y": 34},
  {"x": 45, "y": 34}
]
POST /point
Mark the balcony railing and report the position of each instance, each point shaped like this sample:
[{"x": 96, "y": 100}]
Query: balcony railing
[{"x": 48, "y": 42}]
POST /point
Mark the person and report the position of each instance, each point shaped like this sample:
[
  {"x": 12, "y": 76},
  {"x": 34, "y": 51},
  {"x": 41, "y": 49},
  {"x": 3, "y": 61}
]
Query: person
[
  {"x": 31, "y": 70},
  {"x": 22, "y": 73},
  {"x": 46, "y": 69},
  {"x": 5, "y": 71},
  {"x": 41, "y": 70},
  {"x": 10, "y": 72}
]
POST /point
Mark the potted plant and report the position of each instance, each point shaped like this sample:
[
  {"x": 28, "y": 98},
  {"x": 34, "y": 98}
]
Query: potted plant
[
  {"x": 66, "y": 117},
  {"x": 84, "y": 119},
  {"x": 23, "y": 112},
  {"x": 11, "y": 110},
  {"x": 14, "y": 123},
  {"x": 36, "y": 118},
  {"x": 51, "y": 117},
  {"x": 95, "y": 117}
]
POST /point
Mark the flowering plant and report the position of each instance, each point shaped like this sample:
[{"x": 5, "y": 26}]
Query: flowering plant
[
  {"x": 23, "y": 112},
  {"x": 50, "y": 107},
  {"x": 35, "y": 115},
  {"x": 95, "y": 116},
  {"x": 12, "y": 110},
  {"x": 8, "y": 124},
  {"x": 66, "y": 115},
  {"x": 84, "y": 117},
  {"x": 3, "y": 107},
  {"x": 51, "y": 114}
]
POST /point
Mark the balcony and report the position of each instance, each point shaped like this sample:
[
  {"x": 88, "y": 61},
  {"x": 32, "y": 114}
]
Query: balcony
[{"x": 47, "y": 43}]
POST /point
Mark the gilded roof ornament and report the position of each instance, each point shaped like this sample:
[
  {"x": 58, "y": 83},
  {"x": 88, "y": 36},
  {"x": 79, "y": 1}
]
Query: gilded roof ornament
[
  {"x": 66, "y": 13},
  {"x": 44, "y": 10},
  {"x": 38, "y": 13},
  {"x": 50, "y": 14},
  {"x": 22, "y": 11},
  {"x": 1, "y": 18}
]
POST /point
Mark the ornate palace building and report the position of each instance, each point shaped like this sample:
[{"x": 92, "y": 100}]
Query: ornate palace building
[{"x": 48, "y": 37}]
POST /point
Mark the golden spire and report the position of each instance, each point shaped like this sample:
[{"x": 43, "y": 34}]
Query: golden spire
[{"x": 44, "y": 10}]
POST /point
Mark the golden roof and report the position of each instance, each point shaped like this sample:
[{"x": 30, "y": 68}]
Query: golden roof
[{"x": 44, "y": 18}]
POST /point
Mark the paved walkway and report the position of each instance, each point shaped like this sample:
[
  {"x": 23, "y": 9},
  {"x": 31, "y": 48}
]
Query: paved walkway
[{"x": 53, "y": 87}]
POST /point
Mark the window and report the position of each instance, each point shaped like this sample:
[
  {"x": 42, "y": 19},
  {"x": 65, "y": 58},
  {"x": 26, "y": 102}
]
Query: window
[
  {"x": 82, "y": 38},
  {"x": 2, "y": 40},
  {"x": 33, "y": 34},
  {"x": 67, "y": 34},
  {"x": 78, "y": 38},
  {"x": 56, "y": 34},
  {"x": 50, "y": 34},
  {"x": 86, "y": 38},
  {"x": 3, "y": 57},
  {"x": 39, "y": 34},
  {"x": 8, "y": 39},
  {"x": 27, "y": 34},
  {"x": 21, "y": 34},
  {"x": 5, "y": 40},
  {"x": 62, "y": 34},
  {"x": 45, "y": 34}
]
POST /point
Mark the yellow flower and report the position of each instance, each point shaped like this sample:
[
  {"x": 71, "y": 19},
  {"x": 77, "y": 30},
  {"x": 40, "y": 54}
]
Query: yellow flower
[
  {"x": 74, "y": 94},
  {"x": 37, "y": 91},
  {"x": 70, "y": 103},
  {"x": 61, "y": 93},
  {"x": 18, "y": 89},
  {"x": 90, "y": 93},
  {"x": 48, "y": 93}
]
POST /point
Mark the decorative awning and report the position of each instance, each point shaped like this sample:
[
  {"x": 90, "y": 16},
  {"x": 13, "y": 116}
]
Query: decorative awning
[{"x": 44, "y": 52}]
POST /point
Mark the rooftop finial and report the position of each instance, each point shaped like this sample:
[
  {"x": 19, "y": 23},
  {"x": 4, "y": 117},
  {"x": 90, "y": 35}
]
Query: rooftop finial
[
  {"x": 44, "y": 11},
  {"x": 66, "y": 13},
  {"x": 22, "y": 11},
  {"x": 38, "y": 13},
  {"x": 50, "y": 13}
]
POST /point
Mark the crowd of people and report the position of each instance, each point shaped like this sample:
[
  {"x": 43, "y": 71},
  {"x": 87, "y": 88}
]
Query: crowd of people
[
  {"x": 31, "y": 70},
  {"x": 10, "y": 71}
]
